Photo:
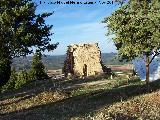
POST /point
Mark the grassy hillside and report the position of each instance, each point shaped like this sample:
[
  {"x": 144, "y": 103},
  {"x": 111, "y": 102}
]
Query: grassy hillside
[
  {"x": 95, "y": 98},
  {"x": 57, "y": 62}
]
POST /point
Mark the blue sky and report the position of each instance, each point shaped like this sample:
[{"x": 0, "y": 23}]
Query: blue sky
[{"x": 73, "y": 24}]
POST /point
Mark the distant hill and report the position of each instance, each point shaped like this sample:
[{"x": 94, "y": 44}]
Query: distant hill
[{"x": 57, "y": 61}]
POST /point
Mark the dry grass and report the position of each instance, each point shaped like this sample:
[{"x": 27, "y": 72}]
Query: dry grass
[
  {"x": 143, "y": 107},
  {"x": 27, "y": 101},
  {"x": 94, "y": 98}
]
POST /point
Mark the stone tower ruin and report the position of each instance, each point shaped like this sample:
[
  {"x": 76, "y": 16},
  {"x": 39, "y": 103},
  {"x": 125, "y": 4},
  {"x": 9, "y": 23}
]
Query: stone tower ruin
[{"x": 83, "y": 60}]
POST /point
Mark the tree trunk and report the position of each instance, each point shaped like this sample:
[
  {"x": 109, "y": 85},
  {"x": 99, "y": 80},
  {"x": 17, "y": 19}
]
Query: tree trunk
[
  {"x": 5, "y": 71},
  {"x": 147, "y": 70}
]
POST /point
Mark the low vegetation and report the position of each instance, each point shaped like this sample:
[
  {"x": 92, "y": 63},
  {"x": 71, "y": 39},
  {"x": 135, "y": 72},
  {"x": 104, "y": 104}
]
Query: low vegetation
[
  {"x": 83, "y": 99},
  {"x": 141, "y": 107},
  {"x": 20, "y": 78}
]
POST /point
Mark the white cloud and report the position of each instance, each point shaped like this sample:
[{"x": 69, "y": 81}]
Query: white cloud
[
  {"x": 84, "y": 27},
  {"x": 83, "y": 33},
  {"x": 80, "y": 13},
  {"x": 78, "y": 24}
]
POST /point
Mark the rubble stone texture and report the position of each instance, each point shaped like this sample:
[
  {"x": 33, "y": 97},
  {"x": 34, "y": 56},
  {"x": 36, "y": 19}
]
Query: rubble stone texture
[{"x": 83, "y": 60}]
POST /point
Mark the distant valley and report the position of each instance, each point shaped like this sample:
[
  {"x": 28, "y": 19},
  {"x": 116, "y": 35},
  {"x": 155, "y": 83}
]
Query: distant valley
[{"x": 57, "y": 61}]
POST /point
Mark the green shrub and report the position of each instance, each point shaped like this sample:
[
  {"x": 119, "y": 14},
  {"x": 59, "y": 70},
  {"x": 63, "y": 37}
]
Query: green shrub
[
  {"x": 38, "y": 69},
  {"x": 18, "y": 79},
  {"x": 32, "y": 75},
  {"x": 11, "y": 83},
  {"x": 22, "y": 79}
]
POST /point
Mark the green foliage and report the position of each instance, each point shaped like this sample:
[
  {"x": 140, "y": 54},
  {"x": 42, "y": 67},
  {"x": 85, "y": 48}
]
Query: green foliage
[
  {"x": 37, "y": 68},
  {"x": 5, "y": 71},
  {"x": 10, "y": 85},
  {"x": 32, "y": 75},
  {"x": 21, "y": 30},
  {"x": 22, "y": 79},
  {"x": 136, "y": 27},
  {"x": 16, "y": 81}
]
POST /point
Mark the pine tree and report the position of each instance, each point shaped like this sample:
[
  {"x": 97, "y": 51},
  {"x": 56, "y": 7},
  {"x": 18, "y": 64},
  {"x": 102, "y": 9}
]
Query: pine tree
[
  {"x": 37, "y": 67},
  {"x": 22, "y": 79},
  {"x": 21, "y": 29}
]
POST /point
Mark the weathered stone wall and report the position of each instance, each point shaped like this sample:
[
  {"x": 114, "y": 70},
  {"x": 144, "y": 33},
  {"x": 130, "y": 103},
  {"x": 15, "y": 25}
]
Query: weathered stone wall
[{"x": 83, "y": 60}]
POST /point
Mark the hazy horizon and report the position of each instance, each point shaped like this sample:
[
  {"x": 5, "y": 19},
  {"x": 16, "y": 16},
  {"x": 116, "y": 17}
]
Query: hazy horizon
[{"x": 66, "y": 52}]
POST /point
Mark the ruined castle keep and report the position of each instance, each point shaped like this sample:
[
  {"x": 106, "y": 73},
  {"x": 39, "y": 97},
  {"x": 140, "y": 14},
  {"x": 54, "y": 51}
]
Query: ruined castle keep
[{"x": 83, "y": 60}]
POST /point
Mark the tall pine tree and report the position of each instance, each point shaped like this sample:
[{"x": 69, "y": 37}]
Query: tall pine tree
[{"x": 21, "y": 30}]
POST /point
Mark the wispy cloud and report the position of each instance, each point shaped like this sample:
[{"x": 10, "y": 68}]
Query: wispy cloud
[
  {"x": 83, "y": 33},
  {"x": 84, "y": 26},
  {"x": 78, "y": 24},
  {"x": 81, "y": 14}
]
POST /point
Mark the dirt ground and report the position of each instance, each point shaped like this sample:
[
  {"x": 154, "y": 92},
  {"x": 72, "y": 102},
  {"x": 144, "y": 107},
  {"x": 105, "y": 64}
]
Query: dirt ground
[
  {"x": 58, "y": 73},
  {"x": 121, "y": 67}
]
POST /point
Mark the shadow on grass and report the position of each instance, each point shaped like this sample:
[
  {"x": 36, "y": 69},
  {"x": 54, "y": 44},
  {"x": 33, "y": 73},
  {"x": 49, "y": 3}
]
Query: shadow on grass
[
  {"x": 34, "y": 88},
  {"x": 81, "y": 105},
  {"x": 38, "y": 86},
  {"x": 18, "y": 100}
]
